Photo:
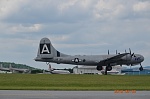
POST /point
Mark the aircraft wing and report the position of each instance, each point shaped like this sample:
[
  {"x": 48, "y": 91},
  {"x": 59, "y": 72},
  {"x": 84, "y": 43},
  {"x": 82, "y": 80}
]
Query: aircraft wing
[{"x": 113, "y": 59}]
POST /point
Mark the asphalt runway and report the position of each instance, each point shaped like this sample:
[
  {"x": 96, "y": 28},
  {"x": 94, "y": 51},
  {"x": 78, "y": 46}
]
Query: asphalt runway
[{"x": 19, "y": 94}]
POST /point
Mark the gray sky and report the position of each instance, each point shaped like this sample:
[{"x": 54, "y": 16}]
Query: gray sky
[{"x": 74, "y": 27}]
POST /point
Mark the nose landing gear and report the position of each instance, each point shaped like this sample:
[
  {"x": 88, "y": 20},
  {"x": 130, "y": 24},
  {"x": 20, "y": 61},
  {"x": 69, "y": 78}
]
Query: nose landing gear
[{"x": 141, "y": 68}]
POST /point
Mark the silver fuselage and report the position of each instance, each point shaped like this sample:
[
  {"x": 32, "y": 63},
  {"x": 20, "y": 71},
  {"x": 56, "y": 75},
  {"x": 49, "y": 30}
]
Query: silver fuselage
[{"x": 92, "y": 60}]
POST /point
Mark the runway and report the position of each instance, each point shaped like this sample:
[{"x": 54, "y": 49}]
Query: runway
[{"x": 19, "y": 94}]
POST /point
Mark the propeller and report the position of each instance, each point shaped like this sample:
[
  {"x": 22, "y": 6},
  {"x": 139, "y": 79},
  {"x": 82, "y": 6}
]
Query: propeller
[
  {"x": 130, "y": 51},
  {"x": 132, "y": 54},
  {"x": 117, "y": 52},
  {"x": 108, "y": 52}
]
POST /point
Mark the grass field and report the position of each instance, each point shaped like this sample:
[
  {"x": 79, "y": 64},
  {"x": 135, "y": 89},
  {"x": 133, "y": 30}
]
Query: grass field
[{"x": 73, "y": 82}]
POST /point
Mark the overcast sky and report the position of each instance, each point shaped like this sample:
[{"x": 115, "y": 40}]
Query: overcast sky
[{"x": 74, "y": 27}]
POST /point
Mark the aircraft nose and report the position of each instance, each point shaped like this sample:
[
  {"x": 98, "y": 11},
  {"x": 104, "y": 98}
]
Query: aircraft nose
[
  {"x": 139, "y": 58},
  {"x": 142, "y": 58}
]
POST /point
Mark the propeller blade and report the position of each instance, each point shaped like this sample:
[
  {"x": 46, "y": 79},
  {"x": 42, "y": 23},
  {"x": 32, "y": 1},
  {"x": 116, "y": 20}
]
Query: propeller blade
[
  {"x": 125, "y": 51},
  {"x": 132, "y": 55},
  {"x": 116, "y": 52},
  {"x": 108, "y": 52},
  {"x": 130, "y": 51}
]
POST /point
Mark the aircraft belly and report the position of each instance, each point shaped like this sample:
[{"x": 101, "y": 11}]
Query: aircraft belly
[
  {"x": 79, "y": 63},
  {"x": 74, "y": 61}
]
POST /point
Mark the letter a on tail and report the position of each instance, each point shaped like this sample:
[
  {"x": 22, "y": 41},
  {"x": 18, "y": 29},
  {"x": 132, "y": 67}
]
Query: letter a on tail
[{"x": 45, "y": 49}]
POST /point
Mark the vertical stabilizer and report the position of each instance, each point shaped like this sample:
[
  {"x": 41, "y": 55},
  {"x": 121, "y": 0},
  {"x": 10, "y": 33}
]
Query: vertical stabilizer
[
  {"x": 47, "y": 51},
  {"x": 50, "y": 68}
]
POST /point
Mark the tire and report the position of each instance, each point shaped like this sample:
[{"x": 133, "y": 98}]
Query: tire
[
  {"x": 99, "y": 68},
  {"x": 109, "y": 68},
  {"x": 141, "y": 68}
]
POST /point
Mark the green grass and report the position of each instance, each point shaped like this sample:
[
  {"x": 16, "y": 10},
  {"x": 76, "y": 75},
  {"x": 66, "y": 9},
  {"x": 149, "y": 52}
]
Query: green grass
[{"x": 73, "y": 82}]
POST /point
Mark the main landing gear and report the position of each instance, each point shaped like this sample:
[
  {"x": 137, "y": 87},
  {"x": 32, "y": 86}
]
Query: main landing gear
[{"x": 108, "y": 68}]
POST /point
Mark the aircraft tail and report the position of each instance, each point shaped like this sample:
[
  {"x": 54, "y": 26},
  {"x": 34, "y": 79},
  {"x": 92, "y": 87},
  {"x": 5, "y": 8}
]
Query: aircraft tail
[
  {"x": 10, "y": 67},
  {"x": 50, "y": 68},
  {"x": 1, "y": 66},
  {"x": 47, "y": 51}
]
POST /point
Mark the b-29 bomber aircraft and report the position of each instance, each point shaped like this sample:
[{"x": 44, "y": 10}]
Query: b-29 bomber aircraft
[{"x": 47, "y": 53}]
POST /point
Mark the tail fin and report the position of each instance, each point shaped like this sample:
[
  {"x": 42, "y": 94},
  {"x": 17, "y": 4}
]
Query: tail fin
[
  {"x": 50, "y": 68},
  {"x": 1, "y": 66},
  {"x": 10, "y": 66},
  {"x": 47, "y": 51}
]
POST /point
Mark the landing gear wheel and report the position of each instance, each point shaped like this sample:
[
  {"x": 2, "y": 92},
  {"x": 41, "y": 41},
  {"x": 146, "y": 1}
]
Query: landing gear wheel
[
  {"x": 141, "y": 68},
  {"x": 109, "y": 68},
  {"x": 99, "y": 68}
]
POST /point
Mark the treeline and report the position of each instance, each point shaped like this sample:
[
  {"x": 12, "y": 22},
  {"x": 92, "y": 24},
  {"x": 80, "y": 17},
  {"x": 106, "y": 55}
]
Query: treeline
[
  {"x": 23, "y": 66},
  {"x": 14, "y": 65}
]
